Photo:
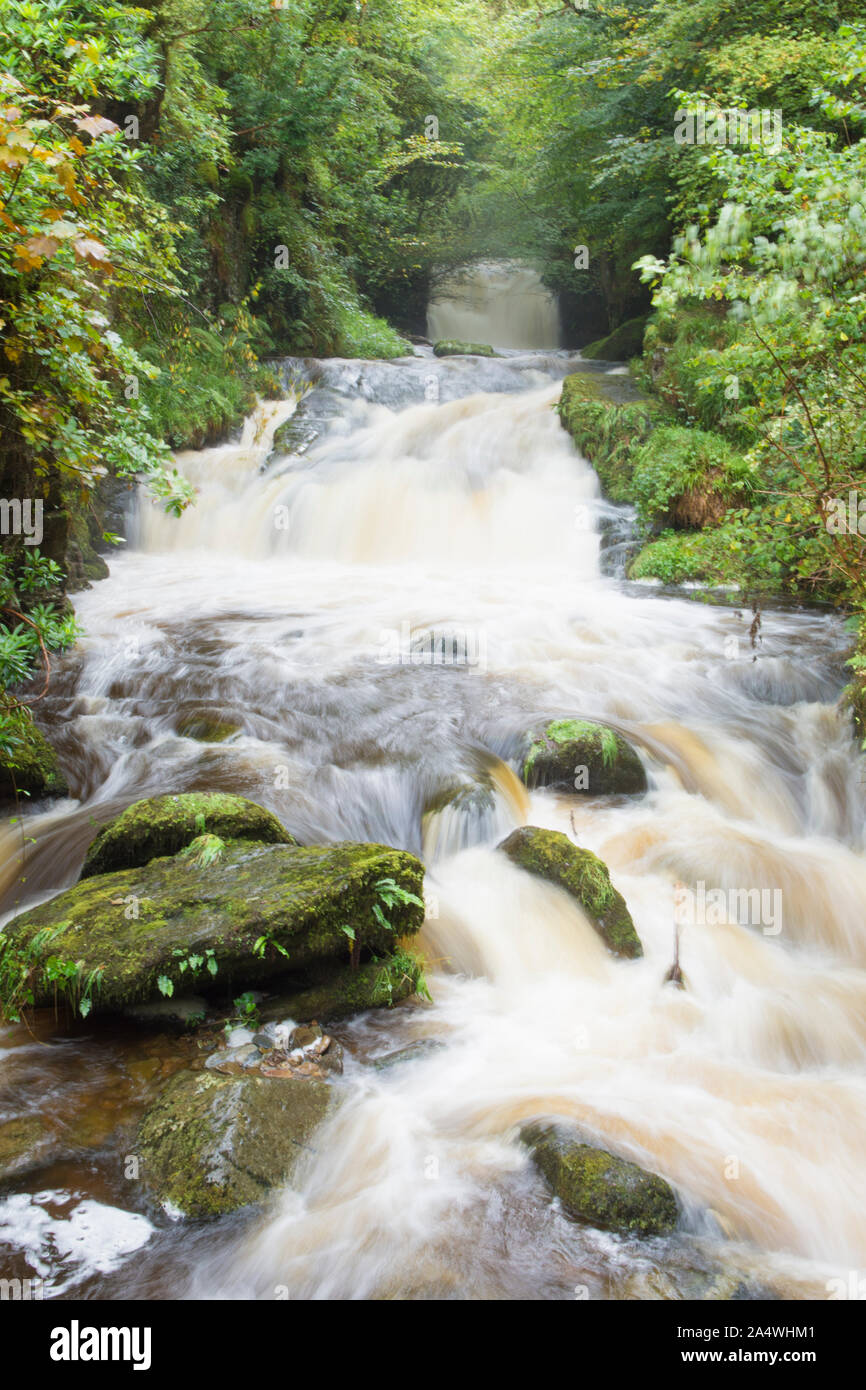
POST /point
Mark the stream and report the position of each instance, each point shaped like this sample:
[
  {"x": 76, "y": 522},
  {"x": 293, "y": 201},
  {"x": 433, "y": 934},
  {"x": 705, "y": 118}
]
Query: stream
[{"x": 339, "y": 633}]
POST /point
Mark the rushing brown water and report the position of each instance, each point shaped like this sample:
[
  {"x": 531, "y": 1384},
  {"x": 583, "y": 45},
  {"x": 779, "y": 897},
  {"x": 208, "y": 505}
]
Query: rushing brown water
[{"x": 298, "y": 617}]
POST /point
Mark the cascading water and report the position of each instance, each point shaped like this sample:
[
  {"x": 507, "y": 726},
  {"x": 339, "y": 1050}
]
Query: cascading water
[
  {"x": 438, "y": 509},
  {"x": 500, "y": 303}
]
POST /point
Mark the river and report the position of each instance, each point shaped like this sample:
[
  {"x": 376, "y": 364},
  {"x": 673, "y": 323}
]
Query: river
[{"x": 354, "y": 627}]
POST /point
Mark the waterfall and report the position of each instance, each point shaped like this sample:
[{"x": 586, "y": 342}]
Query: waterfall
[
  {"x": 440, "y": 508},
  {"x": 496, "y": 302}
]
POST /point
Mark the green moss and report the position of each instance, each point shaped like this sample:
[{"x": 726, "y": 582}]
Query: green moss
[
  {"x": 138, "y": 925},
  {"x": 855, "y": 692},
  {"x": 552, "y": 856},
  {"x": 606, "y": 432},
  {"x": 163, "y": 825},
  {"x": 703, "y": 557},
  {"x": 375, "y": 985},
  {"x": 32, "y": 766},
  {"x": 564, "y": 745},
  {"x": 206, "y": 728},
  {"x": 23, "y": 1143},
  {"x": 687, "y": 478},
  {"x": 211, "y": 1144},
  {"x": 450, "y": 347},
  {"x": 624, "y": 342},
  {"x": 597, "y": 1187}
]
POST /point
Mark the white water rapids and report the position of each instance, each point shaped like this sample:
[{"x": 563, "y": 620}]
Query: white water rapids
[{"x": 288, "y": 605}]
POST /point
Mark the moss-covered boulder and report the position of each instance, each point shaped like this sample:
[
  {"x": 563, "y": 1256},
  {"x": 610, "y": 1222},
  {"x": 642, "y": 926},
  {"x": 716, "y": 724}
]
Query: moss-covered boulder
[
  {"x": 244, "y": 913},
  {"x": 31, "y": 766},
  {"x": 211, "y": 1144},
  {"x": 551, "y": 855},
  {"x": 624, "y": 342},
  {"x": 450, "y": 347},
  {"x": 163, "y": 825},
  {"x": 599, "y": 1188},
  {"x": 341, "y": 993},
  {"x": 582, "y": 756}
]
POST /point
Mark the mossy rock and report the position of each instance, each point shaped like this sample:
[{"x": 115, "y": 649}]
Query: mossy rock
[
  {"x": 205, "y": 727},
  {"x": 450, "y": 347},
  {"x": 32, "y": 767},
  {"x": 585, "y": 757},
  {"x": 624, "y": 342},
  {"x": 211, "y": 1144},
  {"x": 599, "y": 1188},
  {"x": 163, "y": 825},
  {"x": 138, "y": 926},
  {"x": 25, "y": 1141},
  {"x": 376, "y": 984},
  {"x": 551, "y": 856}
]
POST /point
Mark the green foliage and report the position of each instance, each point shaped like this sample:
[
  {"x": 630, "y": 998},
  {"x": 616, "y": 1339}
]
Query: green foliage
[
  {"x": 687, "y": 473},
  {"x": 397, "y": 969},
  {"x": 204, "y": 850},
  {"x": 19, "y": 966},
  {"x": 246, "y": 1012}
]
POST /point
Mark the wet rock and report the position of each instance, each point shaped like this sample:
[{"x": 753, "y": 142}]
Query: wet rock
[
  {"x": 205, "y": 727},
  {"x": 211, "y": 1144},
  {"x": 226, "y": 921},
  {"x": 311, "y": 418},
  {"x": 551, "y": 856},
  {"x": 598, "y": 1187},
  {"x": 378, "y": 984},
  {"x": 583, "y": 757},
  {"x": 162, "y": 825},
  {"x": 412, "y": 1052},
  {"x": 25, "y": 1144},
  {"x": 450, "y": 347},
  {"x": 309, "y": 1051},
  {"x": 32, "y": 767}
]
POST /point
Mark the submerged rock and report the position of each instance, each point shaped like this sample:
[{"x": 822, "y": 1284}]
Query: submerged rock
[
  {"x": 552, "y": 856},
  {"x": 162, "y": 825},
  {"x": 450, "y": 347},
  {"x": 412, "y": 1052},
  {"x": 24, "y": 1143},
  {"x": 597, "y": 1187},
  {"x": 210, "y": 1144},
  {"x": 253, "y": 912},
  {"x": 584, "y": 757}
]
